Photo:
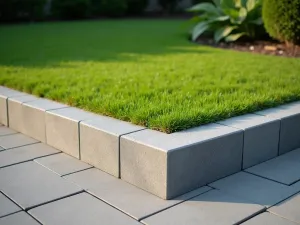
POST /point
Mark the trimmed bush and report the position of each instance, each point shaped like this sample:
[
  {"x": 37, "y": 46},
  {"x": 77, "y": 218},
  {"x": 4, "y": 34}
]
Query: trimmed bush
[
  {"x": 136, "y": 7},
  {"x": 113, "y": 8},
  {"x": 282, "y": 19},
  {"x": 71, "y": 9},
  {"x": 21, "y": 10}
]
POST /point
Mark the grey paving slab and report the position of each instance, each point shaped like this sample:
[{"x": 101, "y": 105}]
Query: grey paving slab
[
  {"x": 261, "y": 137},
  {"x": 6, "y": 131},
  {"x": 284, "y": 169},
  {"x": 7, "y": 206},
  {"x": 34, "y": 112},
  {"x": 123, "y": 196},
  {"x": 15, "y": 140},
  {"x": 268, "y": 218},
  {"x": 289, "y": 209},
  {"x": 296, "y": 185},
  {"x": 168, "y": 165},
  {"x": 80, "y": 209},
  {"x": 20, "y": 218},
  {"x": 62, "y": 129},
  {"x": 289, "y": 116},
  {"x": 100, "y": 141},
  {"x": 211, "y": 208},
  {"x": 15, "y": 111},
  {"x": 254, "y": 188},
  {"x": 25, "y": 153},
  {"x": 30, "y": 184},
  {"x": 62, "y": 164}
]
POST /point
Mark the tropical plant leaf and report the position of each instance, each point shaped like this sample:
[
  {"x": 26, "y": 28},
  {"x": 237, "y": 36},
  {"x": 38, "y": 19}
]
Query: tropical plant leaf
[
  {"x": 228, "y": 4},
  {"x": 233, "y": 37},
  {"x": 257, "y": 21},
  {"x": 219, "y": 18},
  {"x": 204, "y": 7},
  {"x": 242, "y": 14},
  {"x": 199, "y": 29},
  {"x": 223, "y": 32},
  {"x": 217, "y": 3},
  {"x": 251, "y": 4}
]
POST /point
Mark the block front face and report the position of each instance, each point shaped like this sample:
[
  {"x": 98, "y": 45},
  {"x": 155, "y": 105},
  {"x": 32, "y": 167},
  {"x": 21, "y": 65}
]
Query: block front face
[
  {"x": 197, "y": 165},
  {"x": 144, "y": 167},
  {"x": 260, "y": 144},
  {"x": 3, "y": 111}
]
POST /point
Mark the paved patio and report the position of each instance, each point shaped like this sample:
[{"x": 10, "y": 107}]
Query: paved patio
[{"x": 41, "y": 185}]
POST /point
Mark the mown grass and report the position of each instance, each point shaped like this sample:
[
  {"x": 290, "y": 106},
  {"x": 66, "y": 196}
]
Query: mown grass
[{"x": 143, "y": 71}]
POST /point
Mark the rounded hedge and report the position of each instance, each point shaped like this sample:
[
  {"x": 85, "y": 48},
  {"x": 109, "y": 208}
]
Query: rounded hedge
[{"x": 282, "y": 19}]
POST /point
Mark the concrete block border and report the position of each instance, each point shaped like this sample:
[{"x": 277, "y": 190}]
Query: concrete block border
[{"x": 166, "y": 165}]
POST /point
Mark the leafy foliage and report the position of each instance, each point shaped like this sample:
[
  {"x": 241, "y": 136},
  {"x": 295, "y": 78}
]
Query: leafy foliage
[
  {"x": 227, "y": 19},
  {"x": 113, "y": 8},
  {"x": 282, "y": 19},
  {"x": 70, "y": 9}
]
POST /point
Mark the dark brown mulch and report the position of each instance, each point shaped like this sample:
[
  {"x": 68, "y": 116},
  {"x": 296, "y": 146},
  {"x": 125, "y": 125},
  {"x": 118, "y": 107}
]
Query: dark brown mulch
[{"x": 261, "y": 47}]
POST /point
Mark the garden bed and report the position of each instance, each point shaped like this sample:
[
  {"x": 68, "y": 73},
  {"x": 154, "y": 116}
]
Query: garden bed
[{"x": 142, "y": 71}]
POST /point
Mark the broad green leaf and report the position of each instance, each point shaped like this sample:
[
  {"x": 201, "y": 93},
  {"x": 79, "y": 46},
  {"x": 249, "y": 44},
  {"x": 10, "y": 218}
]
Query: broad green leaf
[
  {"x": 242, "y": 14},
  {"x": 222, "y": 32},
  {"x": 243, "y": 3},
  {"x": 228, "y": 4},
  {"x": 257, "y": 21},
  {"x": 217, "y": 3},
  {"x": 199, "y": 29},
  {"x": 204, "y": 7},
  {"x": 219, "y": 18},
  {"x": 251, "y": 4},
  {"x": 232, "y": 13},
  {"x": 233, "y": 37}
]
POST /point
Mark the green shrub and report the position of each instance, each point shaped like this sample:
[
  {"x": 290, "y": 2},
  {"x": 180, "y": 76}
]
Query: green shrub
[
  {"x": 168, "y": 6},
  {"x": 21, "y": 10},
  {"x": 136, "y": 7},
  {"x": 282, "y": 19},
  {"x": 228, "y": 19},
  {"x": 70, "y": 9},
  {"x": 113, "y": 8}
]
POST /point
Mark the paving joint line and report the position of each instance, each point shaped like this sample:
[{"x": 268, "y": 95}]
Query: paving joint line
[
  {"x": 266, "y": 178},
  {"x": 5, "y": 149}
]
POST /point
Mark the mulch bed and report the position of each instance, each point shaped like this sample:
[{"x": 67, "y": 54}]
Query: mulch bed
[{"x": 261, "y": 47}]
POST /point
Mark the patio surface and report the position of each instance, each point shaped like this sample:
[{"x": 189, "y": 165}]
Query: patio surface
[{"x": 41, "y": 185}]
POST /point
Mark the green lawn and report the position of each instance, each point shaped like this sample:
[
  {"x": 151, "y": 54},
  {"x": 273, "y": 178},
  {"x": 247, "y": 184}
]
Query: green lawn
[{"x": 143, "y": 71}]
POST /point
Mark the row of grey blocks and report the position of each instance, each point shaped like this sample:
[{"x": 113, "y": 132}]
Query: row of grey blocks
[{"x": 166, "y": 165}]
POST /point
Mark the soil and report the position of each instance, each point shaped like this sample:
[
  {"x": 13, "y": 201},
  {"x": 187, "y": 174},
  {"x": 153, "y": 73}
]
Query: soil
[{"x": 261, "y": 47}]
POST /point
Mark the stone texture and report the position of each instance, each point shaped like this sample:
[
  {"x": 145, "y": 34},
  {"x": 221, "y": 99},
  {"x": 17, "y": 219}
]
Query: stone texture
[
  {"x": 5, "y": 93},
  {"x": 15, "y": 111},
  {"x": 7, "y": 206},
  {"x": 29, "y": 185},
  {"x": 168, "y": 165},
  {"x": 6, "y": 131},
  {"x": 100, "y": 141},
  {"x": 211, "y": 208},
  {"x": 268, "y": 219},
  {"x": 15, "y": 140},
  {"x": 34, "y": 112},
  {"x": 284, "y": 169},
  {"x": 25, "y": 153},
  {"x": 80, "y": 209},
  {"x": 62, "y": 129},
  {"x": 20, "y": 218},
  {"x": 62, "y": 164},
  {"x": 254, "y": 188},
  {"x": 289, "y": 116},
  {"x": 261, "y": 137},
  {"x": 289, "y": 209},
  {"x": 123, "y": 196}
]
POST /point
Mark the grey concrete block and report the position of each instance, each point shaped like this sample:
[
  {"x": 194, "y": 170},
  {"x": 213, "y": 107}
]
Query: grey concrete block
[
  {"x": 6, "y": 131},
  {"x": 268, "y": 218},
  {"x": 289, "y": 209},
  {"x": 284, "y": 169},
  {"x": 62, "y": 129},
  {"x": 168, "y": 165},
  {"x": 254, "y": 188},
  {"x": 7, "y": 206},
  {"x": 80, "y": 209},
  {"x": 100, "y": 141},
  {"x": 15, "y": 140},
  {"x": 289, "y": 116},
  {"x": 62, "y": 164},
  {"x": 15, "y": 111},
  {"x": 211, "y": 208},
  {"x": 34, "y": 112},
  {"x": 25, "y": 153},
  {"x": 20, "y": 218},
  {"x": 261, "y": 137},
  {"x": 29, "y": 185},
  {"x": 123, "y": 196}
]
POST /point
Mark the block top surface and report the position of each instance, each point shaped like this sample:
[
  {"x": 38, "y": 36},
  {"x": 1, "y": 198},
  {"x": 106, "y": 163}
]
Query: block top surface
[
  {"x": 22, "y": 99},
  {"x": 247, "y": 121},
  {"x": 282, "y": 111},
  {"x": 45, "y": 104},
  {"x": 72, "y": 113},
  {"x": 111, "y": 125},
  {"x": 6, "y": 92},
  {"x": 168, "y": 142}
]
